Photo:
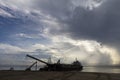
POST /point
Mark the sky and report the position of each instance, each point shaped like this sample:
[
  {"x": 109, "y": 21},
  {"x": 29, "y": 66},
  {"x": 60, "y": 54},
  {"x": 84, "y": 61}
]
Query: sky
[{"x": 61, "y": 29}]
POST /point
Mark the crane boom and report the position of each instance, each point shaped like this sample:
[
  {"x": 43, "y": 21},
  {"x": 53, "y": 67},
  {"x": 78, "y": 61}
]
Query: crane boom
[{"x": 37, "y": 59}]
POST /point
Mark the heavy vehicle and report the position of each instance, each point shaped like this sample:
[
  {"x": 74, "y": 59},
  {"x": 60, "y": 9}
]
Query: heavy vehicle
[
  {"x": 29, "y": 68},
  {"x": 75, "y": 66}
]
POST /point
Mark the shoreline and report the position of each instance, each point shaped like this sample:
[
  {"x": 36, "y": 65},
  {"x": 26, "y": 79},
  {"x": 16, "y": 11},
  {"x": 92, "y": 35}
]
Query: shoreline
[
  {"x": 56, "y": 71},
  {"x": 54, "y": 75}
]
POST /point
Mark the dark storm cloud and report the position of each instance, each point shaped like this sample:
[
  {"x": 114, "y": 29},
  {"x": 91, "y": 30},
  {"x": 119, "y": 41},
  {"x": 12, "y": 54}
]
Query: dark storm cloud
[{"x": 101, "y": 24}]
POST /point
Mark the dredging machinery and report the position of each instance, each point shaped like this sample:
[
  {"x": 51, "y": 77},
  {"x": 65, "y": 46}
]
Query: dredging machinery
[
  {"x": 29, "y": 68},
  {"x": 75, "y": 66}
]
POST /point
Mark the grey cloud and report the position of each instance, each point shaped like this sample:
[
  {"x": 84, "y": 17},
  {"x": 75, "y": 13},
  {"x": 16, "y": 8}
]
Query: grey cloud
[
  {"x": 97, "y": 25},
  {"x": 101, "y": 24},
  {"x": 12, "y": 59},
  {"x": 98, "y": 59},
  {"x": 55, "y": 8}
]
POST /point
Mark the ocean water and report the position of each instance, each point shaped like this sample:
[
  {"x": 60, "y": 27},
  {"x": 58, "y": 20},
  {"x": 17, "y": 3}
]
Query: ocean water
[
  {"x": 85, "y": 69},
  {"x": 102, "y": 69}
]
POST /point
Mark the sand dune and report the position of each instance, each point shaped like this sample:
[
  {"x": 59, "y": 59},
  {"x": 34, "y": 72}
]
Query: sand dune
[{"x": 36, "y": 75}]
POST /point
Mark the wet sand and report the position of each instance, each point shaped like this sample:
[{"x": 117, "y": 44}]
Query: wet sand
[{"x": 37, "y": 75}]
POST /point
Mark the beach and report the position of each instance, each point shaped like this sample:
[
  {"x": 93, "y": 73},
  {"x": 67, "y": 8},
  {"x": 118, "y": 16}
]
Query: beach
[{"x": 69, "y": 75}]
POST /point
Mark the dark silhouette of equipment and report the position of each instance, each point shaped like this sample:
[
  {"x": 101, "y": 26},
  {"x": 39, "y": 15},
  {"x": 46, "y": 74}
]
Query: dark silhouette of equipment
[
  {"x": 75, "y": 66},
  {"x": 11, "y": 68},
  {"x": 29, "y": 68}
]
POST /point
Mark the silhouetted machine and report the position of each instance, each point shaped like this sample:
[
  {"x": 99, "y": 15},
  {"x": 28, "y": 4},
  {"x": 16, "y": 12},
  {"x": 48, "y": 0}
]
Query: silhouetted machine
[
  {"x": 75, "y": 66},
  {"x": 29, "y": 68}
]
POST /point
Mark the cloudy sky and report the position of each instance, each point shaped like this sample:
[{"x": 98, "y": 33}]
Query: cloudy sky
[{"x": 61, "y": 29}]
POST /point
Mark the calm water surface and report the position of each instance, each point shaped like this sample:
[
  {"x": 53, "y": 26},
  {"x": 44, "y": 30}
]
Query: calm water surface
[{"x": 102, "y": 69}]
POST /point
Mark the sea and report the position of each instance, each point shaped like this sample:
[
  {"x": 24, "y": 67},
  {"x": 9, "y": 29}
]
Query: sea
[
  {"x": 85, "y": 69},
  {"x": 102, "y": 69}
]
